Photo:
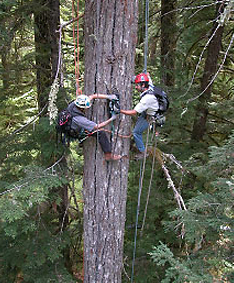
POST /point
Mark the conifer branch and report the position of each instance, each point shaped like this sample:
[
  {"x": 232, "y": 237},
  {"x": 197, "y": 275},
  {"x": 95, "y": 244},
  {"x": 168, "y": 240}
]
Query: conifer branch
[
  {"x": 26, "y": 125},
  {"x": 221, "y": 119},
  {"x": 30, "y": 122},
  {"x": 29, "y": 180}
]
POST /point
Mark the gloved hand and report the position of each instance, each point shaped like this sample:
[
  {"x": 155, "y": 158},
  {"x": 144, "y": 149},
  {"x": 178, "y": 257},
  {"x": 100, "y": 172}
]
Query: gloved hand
[
  {"x": 112, "y": 97},
  {"x": 116, "y": 108},
  {"x": 113, "y": 117}
]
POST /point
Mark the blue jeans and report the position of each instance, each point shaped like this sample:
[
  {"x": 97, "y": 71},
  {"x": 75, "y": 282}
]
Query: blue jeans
[{"x": 141, "y": 125}]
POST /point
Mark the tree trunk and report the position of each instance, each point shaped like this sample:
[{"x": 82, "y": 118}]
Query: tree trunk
[
  {"x": 46, "y": 15},
  {"x": 6, "y": 69},
  {"x": 139, "y": 60},
  {"x": 54, "y": 22},
  {"x": 110, "y": 40},
  {"x": 47, "y": 20},
  {"x": 168, "y": 41},
  {"x": 5, "y": 49},
  {"x": 153, "y": 45},
  {"x": 199, "y": 126}
]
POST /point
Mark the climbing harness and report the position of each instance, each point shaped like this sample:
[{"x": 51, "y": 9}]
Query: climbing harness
[
  {"x": 66, "y": 139},
  {"x": 157, "y": 120}
]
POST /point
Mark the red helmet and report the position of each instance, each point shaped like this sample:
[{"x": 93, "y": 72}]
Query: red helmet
[{"x": 141, "y": 78}]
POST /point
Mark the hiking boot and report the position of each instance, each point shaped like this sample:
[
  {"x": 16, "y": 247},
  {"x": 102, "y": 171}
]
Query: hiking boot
[
  {"x": 140, "y": 156},
  {"x": 111, "y": 156}
]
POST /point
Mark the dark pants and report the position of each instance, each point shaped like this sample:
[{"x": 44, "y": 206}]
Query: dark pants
[{"x": 103, "y": 140}]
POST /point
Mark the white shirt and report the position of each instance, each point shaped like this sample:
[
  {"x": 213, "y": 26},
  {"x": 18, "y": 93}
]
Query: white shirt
[{"x": 148, "y": 103}]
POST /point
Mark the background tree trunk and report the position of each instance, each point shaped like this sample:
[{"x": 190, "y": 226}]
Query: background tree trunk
[
  {"x": 110, "y": 40},
  {"x": 8, "y": 30},
  {"x": 199, "y": 126},
  {"x": 168, "y": 41},
  {"x": 43, "y": 55},
  {"x": 5, "y": 66},
  {"x": 47, "y": 19},
  {"x": 54, "y": 22}
]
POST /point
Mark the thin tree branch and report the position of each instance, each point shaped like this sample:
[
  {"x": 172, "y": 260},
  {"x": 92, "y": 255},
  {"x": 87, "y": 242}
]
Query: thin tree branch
[
  {"x": 199, "y": 61},
  {"x": 214, "y": 77},
  {"x": 178, "y": 197},
  {"x": 56, "y": 163},
  {"x": 26, "y": 125},
  {"x": 160, "y": 157},
  {"x": 220, "y": 118},
  {"x": 200, "y": 7},
  {"x": 29, "y": 180},
  {"x": 72, "y": 21}
]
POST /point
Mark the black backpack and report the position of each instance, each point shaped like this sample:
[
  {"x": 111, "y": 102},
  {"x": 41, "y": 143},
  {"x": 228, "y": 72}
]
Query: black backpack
[
  {"x": 162, "y": 98},
  {"x": 63, "y": 127},
  {"x": 64, "y": 122}
]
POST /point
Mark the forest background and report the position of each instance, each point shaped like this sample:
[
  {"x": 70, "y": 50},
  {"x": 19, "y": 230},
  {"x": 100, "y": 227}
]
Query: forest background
[{"x": 190, "y": 54}]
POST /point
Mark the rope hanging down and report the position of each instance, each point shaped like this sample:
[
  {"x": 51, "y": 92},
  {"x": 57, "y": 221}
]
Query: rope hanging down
[
  {"x": 146, "y": 35},
  {"x": 142, "y": 173},
  {"x": 142, "y": 169},
  {"x": 176, "y": 192},
  {"x": 151, "y": 177}
]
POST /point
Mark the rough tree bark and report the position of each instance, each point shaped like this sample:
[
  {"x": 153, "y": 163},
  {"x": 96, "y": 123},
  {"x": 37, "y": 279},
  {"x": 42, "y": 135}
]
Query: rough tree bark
[
  {"x": 168, "y": 41},
  {"x": 47, "y": 19},
  {"x": 110, "y": 40},
  {"x": 199, "y": 126}
]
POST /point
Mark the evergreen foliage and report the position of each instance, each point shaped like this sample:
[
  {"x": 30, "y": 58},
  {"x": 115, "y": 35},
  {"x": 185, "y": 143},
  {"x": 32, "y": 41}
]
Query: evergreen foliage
[
  {"x": 29, "y": 228},
  {"x": 207, "y": 225},
  {"x": 37, "y": 245}
]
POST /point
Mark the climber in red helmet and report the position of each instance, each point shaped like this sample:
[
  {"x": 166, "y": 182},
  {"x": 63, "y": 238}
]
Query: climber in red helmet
[{"x": 147, "y": 106}]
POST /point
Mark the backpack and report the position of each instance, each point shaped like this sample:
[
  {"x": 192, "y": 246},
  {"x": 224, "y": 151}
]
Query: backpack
[
  {"x": 163, "y": 101},
  {"x": 63, "y": 127},
  {"x": 64, "y": 122},
  {"x": 162, "y": 98}
]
